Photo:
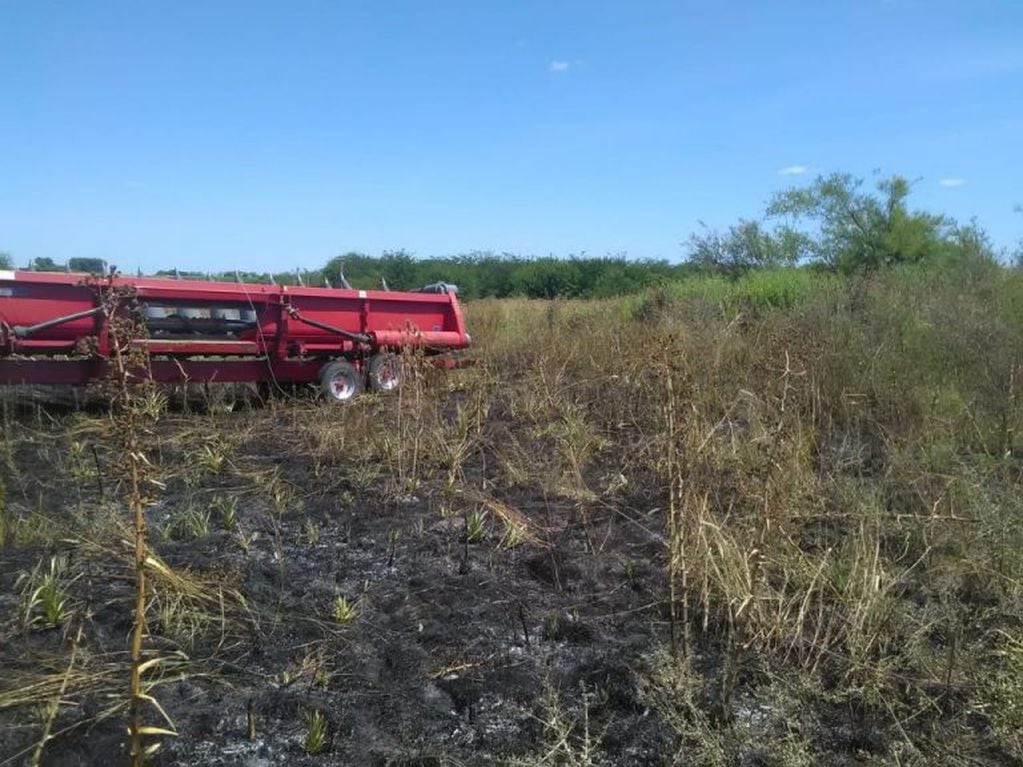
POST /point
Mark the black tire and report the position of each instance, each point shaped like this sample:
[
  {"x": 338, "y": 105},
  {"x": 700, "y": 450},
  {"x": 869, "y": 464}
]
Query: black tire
[
  {"x": 384, "y": 373},
  {"x": 340, "y": 381}
]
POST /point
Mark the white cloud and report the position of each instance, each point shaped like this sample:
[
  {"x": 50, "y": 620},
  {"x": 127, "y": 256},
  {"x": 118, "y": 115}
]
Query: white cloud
[
  {"x": 948, "y": 183},
  {"x": 793, "y": 170},
  {"x": 559, "y": 66}
]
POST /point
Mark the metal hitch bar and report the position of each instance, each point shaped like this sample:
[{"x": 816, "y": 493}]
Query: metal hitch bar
[
  {"x": 361, "y": 338},
  {"x": 22, "y": 331}
]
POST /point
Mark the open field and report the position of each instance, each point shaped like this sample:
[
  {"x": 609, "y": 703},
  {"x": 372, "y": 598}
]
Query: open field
[{"x": 768, "y": 522}]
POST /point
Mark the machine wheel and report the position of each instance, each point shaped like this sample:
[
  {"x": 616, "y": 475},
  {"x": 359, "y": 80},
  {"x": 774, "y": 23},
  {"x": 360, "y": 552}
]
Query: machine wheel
[
  {"x": 384, "y": 373},
  {"x": 340, "y": 381}
]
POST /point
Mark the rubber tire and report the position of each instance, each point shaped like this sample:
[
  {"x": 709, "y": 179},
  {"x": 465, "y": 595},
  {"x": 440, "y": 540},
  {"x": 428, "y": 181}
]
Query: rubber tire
[
  {"x": 346, "y": 372},
  {"x": 380, "y": 364}
]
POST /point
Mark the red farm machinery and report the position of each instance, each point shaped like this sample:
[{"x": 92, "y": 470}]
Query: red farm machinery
[{"x": 56, "y": 329}]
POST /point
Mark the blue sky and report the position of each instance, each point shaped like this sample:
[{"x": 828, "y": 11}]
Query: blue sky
[{"x": 222, "y": 135}]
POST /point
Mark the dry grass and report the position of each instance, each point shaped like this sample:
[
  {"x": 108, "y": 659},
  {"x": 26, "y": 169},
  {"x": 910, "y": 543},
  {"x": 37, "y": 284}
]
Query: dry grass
[
  {"x": 831, "y": 494},
  {"x": 841, "y": 499}
]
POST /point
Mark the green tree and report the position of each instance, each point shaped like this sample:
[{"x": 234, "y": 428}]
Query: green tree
[
  {"x": 494, "y": 274},
  {"x": 353, "y": 266},
  {"x": 6, "y": 262},
  {"x": 548, "y": 278},
  {"x": 1017, "y": 256},
  {"x": 484, "y": 274},
  {"x": 856, "y": 230},
  {"x": 747, "y": 245},
  {"x": 400, "y": 270},
  {"x": 46, "y": 264},
  {"x": 90, "y": 265},
  {"x": 969, "y": 242}
]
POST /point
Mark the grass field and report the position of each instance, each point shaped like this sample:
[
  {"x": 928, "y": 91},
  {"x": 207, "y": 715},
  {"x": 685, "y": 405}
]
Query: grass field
[{"x": 768, "y": 522}]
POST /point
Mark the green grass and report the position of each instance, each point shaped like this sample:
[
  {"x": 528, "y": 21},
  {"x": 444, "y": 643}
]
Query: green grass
[{"x": 763, "y": 290}]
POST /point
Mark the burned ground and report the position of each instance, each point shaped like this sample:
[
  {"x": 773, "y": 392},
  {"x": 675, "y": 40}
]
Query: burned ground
[{"x": 455, "y": 637}]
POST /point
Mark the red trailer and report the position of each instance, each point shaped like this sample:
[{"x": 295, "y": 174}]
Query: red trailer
[{"x": 55, "y": 329}]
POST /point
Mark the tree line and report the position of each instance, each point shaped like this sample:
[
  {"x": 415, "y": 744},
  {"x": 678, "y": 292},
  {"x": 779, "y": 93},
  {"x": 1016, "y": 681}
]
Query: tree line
[
  {"x": 836, "y": 223},
  {"x": 477, "y": 275}
]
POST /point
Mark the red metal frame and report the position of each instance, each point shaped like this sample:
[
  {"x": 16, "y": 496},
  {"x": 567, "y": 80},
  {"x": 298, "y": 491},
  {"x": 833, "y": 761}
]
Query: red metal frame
[{"x": 292, "y": 331}]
